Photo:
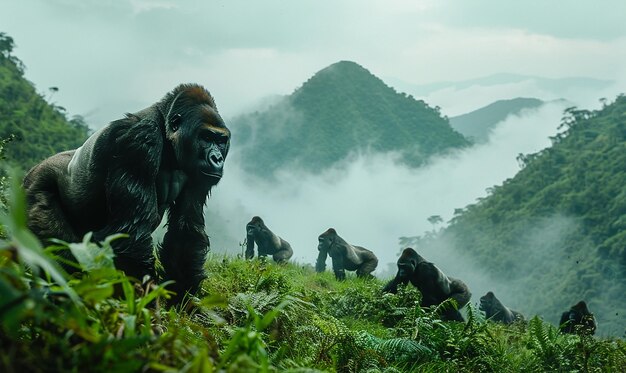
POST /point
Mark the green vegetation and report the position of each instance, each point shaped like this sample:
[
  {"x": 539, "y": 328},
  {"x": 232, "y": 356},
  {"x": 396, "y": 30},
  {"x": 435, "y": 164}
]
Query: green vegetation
[
  {"x": 342, "y": 109},
  {"x": 252, "y": 316},
  {"x": 40, "y": 129},
  {"x": 556, "y": 232},
  {"x": 479, "y": 123}
]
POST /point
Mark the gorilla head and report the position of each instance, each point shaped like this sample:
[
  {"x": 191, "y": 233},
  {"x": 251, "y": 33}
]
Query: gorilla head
[
  {"x": 496, "y": 311},
  {"x": 196, "y": 132},
  {"x": 578, "y": 320}
]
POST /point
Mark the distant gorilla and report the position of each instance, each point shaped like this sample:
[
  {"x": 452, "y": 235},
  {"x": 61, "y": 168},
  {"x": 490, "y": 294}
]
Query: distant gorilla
[
  {"x": 496, "y": 311},
  {"x": 578, "y": 320},
  {"x": 166, "y": 157},
  {"x": 433, "y": 284},
  {"x": 344, "y": 256},
  {"x": 267, "y": 242}
]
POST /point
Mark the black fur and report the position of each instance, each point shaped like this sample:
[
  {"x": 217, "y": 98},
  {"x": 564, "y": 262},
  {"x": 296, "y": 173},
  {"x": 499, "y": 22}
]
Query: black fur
[
  {"x": 124, "y": 178},
  {"x": 267, "y": 242},
  {"x": 433, "y": 284},
  {"x": 344, "y": 256},
  {"x": 578, "y": 320},
  {"x": 496, "y": 311}
]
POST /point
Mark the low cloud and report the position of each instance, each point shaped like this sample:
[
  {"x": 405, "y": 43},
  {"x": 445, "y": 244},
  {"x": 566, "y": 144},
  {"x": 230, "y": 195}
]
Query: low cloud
[{"x": 371, "y": 199}]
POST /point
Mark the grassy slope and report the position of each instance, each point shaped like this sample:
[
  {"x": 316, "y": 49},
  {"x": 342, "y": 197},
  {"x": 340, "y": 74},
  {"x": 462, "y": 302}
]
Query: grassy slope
[{"x": 256, "y": 316}]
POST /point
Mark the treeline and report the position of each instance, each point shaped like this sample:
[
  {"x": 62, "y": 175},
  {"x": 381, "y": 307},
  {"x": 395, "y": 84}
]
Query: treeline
[
  {"x": 36, "y": 128},
  {"x": 556, "y": 232},
  {"x": 342, "y": 109}
]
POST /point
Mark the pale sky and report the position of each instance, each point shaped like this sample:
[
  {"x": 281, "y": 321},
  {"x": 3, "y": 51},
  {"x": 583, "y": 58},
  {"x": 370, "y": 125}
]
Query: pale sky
[{"x": 108, "y": 57}]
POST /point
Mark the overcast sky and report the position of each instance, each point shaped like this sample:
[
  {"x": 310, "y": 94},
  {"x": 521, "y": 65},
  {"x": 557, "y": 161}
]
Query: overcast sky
[{"x": 112, "y": 56}]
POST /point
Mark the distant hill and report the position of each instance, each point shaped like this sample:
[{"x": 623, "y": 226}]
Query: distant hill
[
  {"x": 477, "y": 124},
  {"x": 40, "y": 129},
  {"x": 341, "y": 109},
  {"x": 556, "y": 232}
]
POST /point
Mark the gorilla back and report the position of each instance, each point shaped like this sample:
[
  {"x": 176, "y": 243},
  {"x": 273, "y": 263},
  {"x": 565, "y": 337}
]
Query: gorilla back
[{"x": 125, "y": 176}]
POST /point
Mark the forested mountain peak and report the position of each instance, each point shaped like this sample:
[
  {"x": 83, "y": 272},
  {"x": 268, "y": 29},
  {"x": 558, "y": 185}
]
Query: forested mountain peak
[{"x": 342, "y": 109}]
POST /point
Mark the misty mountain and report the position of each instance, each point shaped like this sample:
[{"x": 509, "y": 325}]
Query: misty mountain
[
  {"x": 556, "y": 232},
  {"x": 40, "y": 129},
  {"x": 556, "y": 86},
  {"x": 342, "y": 109},
  {"x": 477, "y": 124}
]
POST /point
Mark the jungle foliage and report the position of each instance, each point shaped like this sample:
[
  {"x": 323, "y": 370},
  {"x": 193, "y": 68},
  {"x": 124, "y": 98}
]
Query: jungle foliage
[
  {"x": 252, "y": 316},
  {"x": 39, "y": 129},
  {"x": 559, "y": 226}
]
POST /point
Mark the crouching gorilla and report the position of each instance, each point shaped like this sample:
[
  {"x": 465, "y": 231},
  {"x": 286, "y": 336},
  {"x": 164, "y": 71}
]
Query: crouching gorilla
[
  {"x": 125, "y": 176},
  {"x": 433, "y": 284},
  {"x": 496, "y": 311},
  {"x": 267, "y": 242},
  {"x": 344, "y": 256},
  {"x": 578, "y": 320}
]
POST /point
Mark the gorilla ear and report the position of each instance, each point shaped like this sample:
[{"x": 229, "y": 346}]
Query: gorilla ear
[{"x": 175, "y": 122}]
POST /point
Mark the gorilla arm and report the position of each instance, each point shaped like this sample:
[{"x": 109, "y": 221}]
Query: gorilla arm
[
  {"x": 249, "y": 242},
  {"x": 392, "y": 286},
  {"x": 186, "y": 244},
  {"x": 339, "y": 267},
  {"x": 320, "y": 264}
]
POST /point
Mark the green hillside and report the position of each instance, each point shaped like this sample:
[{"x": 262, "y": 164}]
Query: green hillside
[
  {"x": 340, "y": 110},
  {"x": 477, "y": 124},
  {"x": 251, "y": 316},
  {"x": 556, "y": 232},
  {"x": 40, "y": 129}
]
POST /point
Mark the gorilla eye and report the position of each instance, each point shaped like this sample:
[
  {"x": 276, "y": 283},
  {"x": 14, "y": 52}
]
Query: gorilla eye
[{"x": 214, "y": 137}]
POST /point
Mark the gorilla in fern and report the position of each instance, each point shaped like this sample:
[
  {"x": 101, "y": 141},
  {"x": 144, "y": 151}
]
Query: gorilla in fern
[
  {"x": 578, "y": 320},
  {"x": 344, "y": 256},
  {"x": 496, "y": 311},
  {"x": 267, "y": 242},
  {"x": 433, "y": 284},
  {"x": 124, "y": 178}
]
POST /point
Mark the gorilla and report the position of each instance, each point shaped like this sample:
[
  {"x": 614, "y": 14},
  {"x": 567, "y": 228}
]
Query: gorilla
[
  {"x": 433, "y": 284},
  {"x": 344, "y": 256},
  {"x": 496, "y": 311},
  {"x": 267, "y": 242},
  {"x": 124, "y": 178},
  {"x": 578, "y": 320}
]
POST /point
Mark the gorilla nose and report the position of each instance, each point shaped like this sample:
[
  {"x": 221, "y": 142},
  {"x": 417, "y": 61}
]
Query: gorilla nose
[{"x": 216, "y": 160}]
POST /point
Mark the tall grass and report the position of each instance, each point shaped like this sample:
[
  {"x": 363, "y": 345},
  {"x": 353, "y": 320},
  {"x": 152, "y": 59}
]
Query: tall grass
[{"x": 250, "y": 316}]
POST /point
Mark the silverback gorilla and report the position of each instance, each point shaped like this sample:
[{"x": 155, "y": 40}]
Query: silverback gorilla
[
  {"x": 344, "y": 256},
  {"x": 496, "y": 311},
  {"x": 125, "y": 176},
  {"x": 578, "y": 320},
  {"x": 433, "y": 284},
  {"x": 267, "y": 242}
]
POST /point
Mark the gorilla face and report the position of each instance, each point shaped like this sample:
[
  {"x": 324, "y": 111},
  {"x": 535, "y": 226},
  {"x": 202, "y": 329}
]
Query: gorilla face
[
  {"x": 407, "y": 263},
  {"x": 326, "y": 240},
  {"x": 199, "y": 137},
  {"x": 255, "y": 225},
  {"x": 486, "y": 302}
]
